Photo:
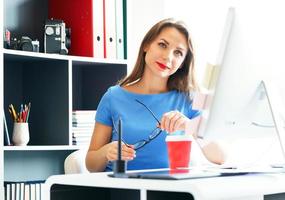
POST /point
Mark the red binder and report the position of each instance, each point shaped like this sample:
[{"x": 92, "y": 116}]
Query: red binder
[{"x": 78, "y": 16}]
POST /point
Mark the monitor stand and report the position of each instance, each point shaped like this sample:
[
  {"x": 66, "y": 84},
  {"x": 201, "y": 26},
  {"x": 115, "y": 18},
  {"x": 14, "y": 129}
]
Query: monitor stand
[
  {"x": 278, "y": 165},
  {"x": 275, "y": 105}
]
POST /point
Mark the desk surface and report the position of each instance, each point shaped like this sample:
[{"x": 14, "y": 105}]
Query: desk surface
[{"x": 243, "y": 186}]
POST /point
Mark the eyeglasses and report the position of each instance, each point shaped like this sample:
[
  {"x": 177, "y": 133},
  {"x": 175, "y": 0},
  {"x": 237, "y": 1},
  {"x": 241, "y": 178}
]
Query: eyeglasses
[{"x": 155, "y": 133}]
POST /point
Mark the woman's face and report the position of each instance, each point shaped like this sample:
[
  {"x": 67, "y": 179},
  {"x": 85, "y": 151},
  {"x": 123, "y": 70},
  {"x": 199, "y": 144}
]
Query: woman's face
[{"x": 166, "y": 53}]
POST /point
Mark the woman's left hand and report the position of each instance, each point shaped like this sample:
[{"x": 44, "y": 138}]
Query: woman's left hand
[{"x": 173, "y": 121}]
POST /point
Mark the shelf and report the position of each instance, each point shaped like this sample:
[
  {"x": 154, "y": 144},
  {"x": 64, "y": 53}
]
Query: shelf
[
  {"x": 34, "y": 54},
  {"x": 62, "y": 57},
  {"x": 41, "y": 148}
]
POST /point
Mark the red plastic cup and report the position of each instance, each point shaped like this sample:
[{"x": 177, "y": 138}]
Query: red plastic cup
[{"x": 179, "y": 149}]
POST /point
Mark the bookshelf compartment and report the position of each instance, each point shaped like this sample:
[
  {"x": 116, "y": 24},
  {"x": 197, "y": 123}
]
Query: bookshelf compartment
[
  {"x": 64, "y": 192},
  {"x": 19, "y": 14},
  {"x": 33, "y": 165},
  {"x": 44, "y": 83},
  {"x": 163, "y": 195},
  {"x": 91, "y": 80}
]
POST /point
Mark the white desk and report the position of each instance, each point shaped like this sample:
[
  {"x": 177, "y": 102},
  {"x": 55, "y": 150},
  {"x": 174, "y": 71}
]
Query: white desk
[{"x": 249, "y": 187}]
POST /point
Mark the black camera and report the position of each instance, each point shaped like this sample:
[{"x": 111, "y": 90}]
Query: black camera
[
  {"x": 56, "y": 37},
  {"x": 24, "y": 44}
]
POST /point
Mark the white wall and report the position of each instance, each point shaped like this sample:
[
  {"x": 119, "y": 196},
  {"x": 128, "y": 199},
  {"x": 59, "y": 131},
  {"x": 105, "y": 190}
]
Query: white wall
[
  {"x": 205, "y": 19},
  {"x": 262, "y": 22},
  {"x": 142, "y": 16},
  {"x": 204, "y": 22}
]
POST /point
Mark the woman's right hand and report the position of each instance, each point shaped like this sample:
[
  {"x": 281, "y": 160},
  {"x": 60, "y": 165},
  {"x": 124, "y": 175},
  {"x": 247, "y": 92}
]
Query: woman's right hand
[{"x": 128, "y": 153}]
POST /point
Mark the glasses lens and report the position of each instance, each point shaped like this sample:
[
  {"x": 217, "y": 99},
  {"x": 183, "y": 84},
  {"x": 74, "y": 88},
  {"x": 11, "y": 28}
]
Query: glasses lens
[
  {"x": 139, "y": 144},
  {"x": 154, "y": 133}
]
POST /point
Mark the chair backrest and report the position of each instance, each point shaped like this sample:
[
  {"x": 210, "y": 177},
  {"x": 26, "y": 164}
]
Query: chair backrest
[{"x": 74, "y": 163}]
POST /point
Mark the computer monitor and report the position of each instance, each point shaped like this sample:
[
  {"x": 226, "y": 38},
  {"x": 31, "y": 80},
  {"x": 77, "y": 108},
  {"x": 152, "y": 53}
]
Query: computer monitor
[{"x": 236, "y": 109}]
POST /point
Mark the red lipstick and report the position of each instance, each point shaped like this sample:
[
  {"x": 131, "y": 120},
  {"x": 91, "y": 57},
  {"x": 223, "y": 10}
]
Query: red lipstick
[{"x": 162, "y": 66}]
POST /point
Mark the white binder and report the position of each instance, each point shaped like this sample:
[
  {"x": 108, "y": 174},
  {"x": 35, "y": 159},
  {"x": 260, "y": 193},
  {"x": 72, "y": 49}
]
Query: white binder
[
  {"x": 110, "y": 29},
  {"x": 119, "y": 29},
  {"x": 98, "y": 36}
]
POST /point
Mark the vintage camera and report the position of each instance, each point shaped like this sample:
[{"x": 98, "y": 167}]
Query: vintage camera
[
  {"x": 56, "y": 37},
  {"x": 24, "y": 44}
]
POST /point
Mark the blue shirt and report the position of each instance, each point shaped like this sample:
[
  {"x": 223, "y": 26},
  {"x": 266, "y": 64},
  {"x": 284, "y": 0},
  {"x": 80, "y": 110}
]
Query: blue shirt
[{"x": 138, "y": 123}]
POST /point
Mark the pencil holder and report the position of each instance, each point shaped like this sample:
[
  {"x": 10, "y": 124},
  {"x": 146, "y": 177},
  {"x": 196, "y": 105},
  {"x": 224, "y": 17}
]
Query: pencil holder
[{"x": 21, "y": 135}]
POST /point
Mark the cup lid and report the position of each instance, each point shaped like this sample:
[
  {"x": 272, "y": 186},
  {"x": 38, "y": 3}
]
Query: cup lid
[{"x": 185, "y": 137}]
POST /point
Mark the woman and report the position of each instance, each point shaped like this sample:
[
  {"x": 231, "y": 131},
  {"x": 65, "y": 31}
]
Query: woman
[{"x": 153, "y": 101}]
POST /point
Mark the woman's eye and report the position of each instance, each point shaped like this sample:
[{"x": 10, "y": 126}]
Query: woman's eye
[
  {"x": 161, "y": 44},
  {"x": 178, "y": 53}
]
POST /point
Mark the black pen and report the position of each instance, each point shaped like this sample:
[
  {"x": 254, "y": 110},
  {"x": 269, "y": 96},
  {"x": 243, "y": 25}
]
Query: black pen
[{"x": 120, "y": 139}]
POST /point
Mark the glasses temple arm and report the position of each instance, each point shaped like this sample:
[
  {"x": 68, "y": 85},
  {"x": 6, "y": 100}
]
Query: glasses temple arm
[{"x": 148, "y": 110}]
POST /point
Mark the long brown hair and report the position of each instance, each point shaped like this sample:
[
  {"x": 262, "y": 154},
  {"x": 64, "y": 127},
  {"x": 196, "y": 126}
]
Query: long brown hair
[{"x": 183, "y": 79}]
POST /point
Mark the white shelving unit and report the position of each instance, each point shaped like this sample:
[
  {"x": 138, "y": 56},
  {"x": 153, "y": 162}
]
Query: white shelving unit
[
  {"x": 55, "y": 85},
  {"x": 41, "y": 148}
]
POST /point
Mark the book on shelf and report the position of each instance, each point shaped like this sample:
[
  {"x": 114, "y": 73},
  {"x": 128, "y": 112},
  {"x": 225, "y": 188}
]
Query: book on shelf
[
  {"x": 77, "y": 115},
  {"x": 7, "y": 192},
  {"x": 83, "y": 124},
  {"x": 119, "y": 28},
  {"x": 82, "y": 134},
  {"x": 83, "y": 144},
  {"x": 84, "y": 112},
  {"x": 6, "y": 132},
  {"x": 88, "y": 138},
  {"x": 23, "y": 190},
  {"x": 27, "y": 191},
  {"x": 81, "y": 140},
  {"x": 79, "y": 118},
  {"x": 79, "y": 129},
  {"x": 98, "y": 41},
  {"x": 83, "y": 118},
  {"x": 109, "y": 17}
]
